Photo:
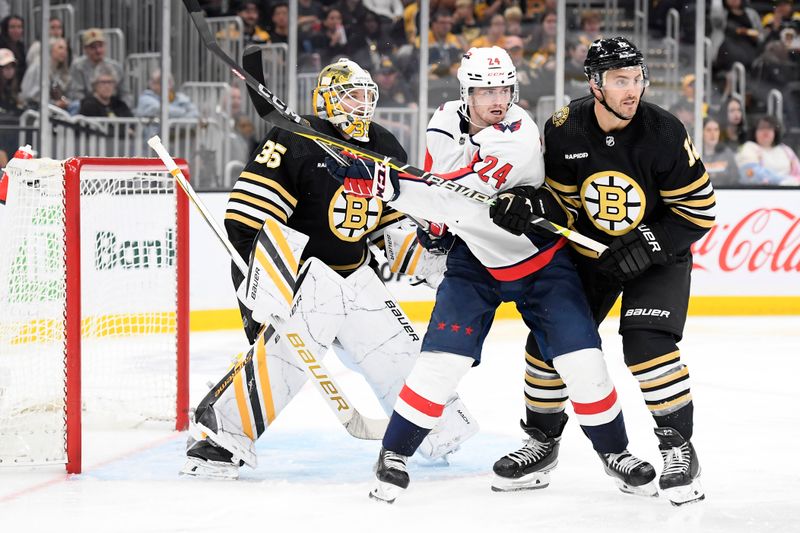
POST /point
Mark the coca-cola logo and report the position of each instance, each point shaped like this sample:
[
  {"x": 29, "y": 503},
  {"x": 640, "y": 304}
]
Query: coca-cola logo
[{"x": 766, "y": 238}]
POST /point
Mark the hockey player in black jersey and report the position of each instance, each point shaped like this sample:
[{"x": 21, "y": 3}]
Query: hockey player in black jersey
[
  {"x": 624, "y": 172},
  {"x": 287, "y": 184}
]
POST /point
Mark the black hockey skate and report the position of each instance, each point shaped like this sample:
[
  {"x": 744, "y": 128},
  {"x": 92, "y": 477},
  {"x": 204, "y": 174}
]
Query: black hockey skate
[
  {"x": 631, "y": 474},
  {"x": 391, "y": 476},
  {"x": 205, "y": 459},
  {"x": 530, "y": 466},
  {"x": 679, "y": 480}
]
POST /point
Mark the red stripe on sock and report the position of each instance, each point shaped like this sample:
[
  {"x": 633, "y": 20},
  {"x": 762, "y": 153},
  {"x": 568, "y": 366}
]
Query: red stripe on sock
[
  {"x": 419, "y": 403},
  {"x": 594, "y": 408}
]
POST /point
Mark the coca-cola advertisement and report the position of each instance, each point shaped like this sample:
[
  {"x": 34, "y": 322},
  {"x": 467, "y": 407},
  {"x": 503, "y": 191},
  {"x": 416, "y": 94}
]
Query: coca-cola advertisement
[{"x": 754, "y": 249}]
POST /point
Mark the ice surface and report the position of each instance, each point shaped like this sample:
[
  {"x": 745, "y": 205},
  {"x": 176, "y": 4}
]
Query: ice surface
[{"x": 313, "y": 476}]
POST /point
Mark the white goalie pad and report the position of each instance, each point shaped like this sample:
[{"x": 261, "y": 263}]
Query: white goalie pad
[
  {"x": 407, "y": 256},
  {"x": 268, "y": 289}
]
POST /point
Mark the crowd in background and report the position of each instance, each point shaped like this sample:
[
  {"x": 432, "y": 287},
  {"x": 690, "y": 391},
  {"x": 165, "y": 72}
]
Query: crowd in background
[{"x": 383, "y": 36}]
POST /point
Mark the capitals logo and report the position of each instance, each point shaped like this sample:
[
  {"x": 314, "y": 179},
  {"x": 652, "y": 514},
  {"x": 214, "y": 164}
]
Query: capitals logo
[{"x": 512, "y": 127}]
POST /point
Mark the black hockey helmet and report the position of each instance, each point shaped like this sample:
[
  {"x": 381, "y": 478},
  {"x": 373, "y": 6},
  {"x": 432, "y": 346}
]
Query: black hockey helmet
[{"x": 610, "y": 54}]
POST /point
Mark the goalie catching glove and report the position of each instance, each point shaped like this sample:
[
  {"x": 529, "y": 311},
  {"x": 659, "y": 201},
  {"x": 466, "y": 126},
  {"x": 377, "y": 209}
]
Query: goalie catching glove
[
  {"x": 631, "y": 254},
  {"x": 365, "y": 178},
  {"x": 514, "y": 209}
]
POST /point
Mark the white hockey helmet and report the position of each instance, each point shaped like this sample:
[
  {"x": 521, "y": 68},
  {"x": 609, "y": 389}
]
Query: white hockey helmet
[
  {"x": 342, "y": 80},
  {"x": 487, "y": 67}
]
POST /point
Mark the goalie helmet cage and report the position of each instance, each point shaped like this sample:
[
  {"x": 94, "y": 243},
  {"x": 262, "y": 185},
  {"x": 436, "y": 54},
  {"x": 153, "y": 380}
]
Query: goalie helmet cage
[{"x": 94, "y": 288}]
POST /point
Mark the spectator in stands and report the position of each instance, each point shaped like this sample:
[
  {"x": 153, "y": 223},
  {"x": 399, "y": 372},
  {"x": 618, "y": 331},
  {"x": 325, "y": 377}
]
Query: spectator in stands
[
  {"x": 10, "y": 108},
  {"x": 353, "y": 13},
  {"x": 734, "y": 124},
  {"x": 444, "y": 55},
  {"x": 764, "y": 160},
  {"x": 495, "y": 34},
  {"x": 529, "y": 87},
  {"x": 332, "y": 41},
  {"x": 684, "y": 111},
  {"x": 782, "y": 16},
  {"x": 82, "y": 69},
  {"x": 250, "y": 14},
  {"x": 59, "y": 77},
  {"x": 573, "y": 67},
  {"x": 103, "y": 100},
  {"x": 180, "y": 106},
  {"x": 393, "y": 88},
  {"x": 310, "y": 15},
  {"x": 591, "y": 21},
  {"x": 742, "y": 36},
  {"x": 687, "y": 93},
  {"x": 10, "y": 104},
  {"x": 390, "y": 11},
  {"x": 56, "y": 31},
  {"x": 513, "y": 16},
  {"x": 772, "y": 70},
  {"x": 241, "y": 128},
  {"x": 543, "y": 42},
  {"x": 465, "y": 24},
  {"x": 376, "y": 45},
  {"x": 279, "y": 30},
  {"x": 12, "y": 32},
  {"x": 720, "y": 161}
]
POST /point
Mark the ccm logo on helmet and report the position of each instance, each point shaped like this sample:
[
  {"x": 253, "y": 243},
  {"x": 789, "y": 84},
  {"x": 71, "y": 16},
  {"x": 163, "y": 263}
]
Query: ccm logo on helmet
[{"x": 647, "y": 312}]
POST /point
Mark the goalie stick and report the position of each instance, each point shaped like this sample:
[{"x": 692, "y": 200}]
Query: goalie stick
[
  {"x": 354, "y": 422},
  {"x": 275, "y": 111}
]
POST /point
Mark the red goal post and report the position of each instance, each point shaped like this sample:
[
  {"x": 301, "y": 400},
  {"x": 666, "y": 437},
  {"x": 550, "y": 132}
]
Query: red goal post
[{"x": 94, "y": 288}]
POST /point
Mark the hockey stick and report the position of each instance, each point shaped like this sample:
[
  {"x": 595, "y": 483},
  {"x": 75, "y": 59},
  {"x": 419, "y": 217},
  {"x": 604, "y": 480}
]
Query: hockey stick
[
  {"x": 353, "y": 421},
  {"x": 286, "y": 119}
]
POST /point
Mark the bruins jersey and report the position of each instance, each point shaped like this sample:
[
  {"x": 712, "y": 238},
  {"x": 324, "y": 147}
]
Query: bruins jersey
[
  {"x": 645, "y": 173},
  {"x": 287, "y": 180}
]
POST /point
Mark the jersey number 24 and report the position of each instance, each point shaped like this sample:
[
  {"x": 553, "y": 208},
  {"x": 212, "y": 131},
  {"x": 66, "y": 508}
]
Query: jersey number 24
[{"x": 498, "y": 175}]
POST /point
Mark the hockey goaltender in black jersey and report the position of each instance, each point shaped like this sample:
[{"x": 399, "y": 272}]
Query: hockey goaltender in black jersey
[
  {"x": 339, "y": 295},
  {"x": 288, "y": 181}
]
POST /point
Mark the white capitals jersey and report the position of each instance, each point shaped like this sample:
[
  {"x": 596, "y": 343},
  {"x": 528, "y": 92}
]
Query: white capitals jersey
[{"x": 497, "y": 158}]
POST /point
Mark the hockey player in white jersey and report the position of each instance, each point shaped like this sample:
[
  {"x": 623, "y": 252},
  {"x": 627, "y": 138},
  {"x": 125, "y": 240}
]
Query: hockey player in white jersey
[{"x": 489, "y": 144}]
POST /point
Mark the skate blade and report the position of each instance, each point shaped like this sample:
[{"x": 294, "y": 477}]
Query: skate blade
[
  {"x": 385, "y": 492},
  {"x": 648, "y": 490},
  {"x": 209, "y": 469},
  {"x": 532, "y": 481},
  {"x": 686, "y": 494}
]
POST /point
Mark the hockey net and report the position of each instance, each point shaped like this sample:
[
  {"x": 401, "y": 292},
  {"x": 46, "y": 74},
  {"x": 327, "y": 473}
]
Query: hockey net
[{"x": 93, "y": 303}]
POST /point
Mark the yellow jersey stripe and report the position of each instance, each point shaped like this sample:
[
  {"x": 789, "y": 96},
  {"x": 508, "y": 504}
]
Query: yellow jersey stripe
[
  {"x": 703, "y": 202},
  {"x": 696, "y": 184},
  {"x": 703, "y": 223},
  {"x": 560, "y": 187},
  {"x": 272, "y": 184},
  {"x": 243, "y": 219},
  {"x": 266, "y": 206},
  {"x": 686, "y": 398},
  {"x": 544, "y": 382},
  {"x": 666, "y": 379},
  {"x": 537, "y": 363}
]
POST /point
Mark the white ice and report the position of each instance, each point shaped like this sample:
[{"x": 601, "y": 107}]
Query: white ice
[{"x": 312, "y": 476}]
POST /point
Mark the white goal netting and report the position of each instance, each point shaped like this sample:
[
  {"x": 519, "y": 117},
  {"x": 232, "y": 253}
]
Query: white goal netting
[{"x": 127, "y": 293}]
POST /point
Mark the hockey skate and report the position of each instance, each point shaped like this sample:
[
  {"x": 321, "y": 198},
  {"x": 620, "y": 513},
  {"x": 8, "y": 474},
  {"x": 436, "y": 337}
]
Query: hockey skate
[
  {"x": 679, "y": 480},
  {"x": 391, "y": 476},
  {"x": 205, "y": 459},
  {"x": 530, "y": 466},
  {"x": 631, "y": 474}
]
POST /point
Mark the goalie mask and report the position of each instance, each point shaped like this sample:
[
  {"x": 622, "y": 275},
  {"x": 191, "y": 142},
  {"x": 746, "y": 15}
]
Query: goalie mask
[
  {"x": 486, "y": 67},
  {"x": 346, "y": 96}
]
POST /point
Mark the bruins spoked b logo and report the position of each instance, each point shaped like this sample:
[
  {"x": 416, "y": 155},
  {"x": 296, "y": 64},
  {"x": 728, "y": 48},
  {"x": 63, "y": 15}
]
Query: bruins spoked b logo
[
  {"x": 350, "y": 217},
  {"x": 613, "y": 200}
]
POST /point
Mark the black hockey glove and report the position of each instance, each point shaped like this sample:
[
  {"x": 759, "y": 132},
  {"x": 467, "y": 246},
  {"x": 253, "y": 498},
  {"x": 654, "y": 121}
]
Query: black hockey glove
[
  {"x": 515, "y": 208},
  {"x": 631, "y": 254},
  {"x": 365, "y": 178},
  {"x": 436, "y": 239}
]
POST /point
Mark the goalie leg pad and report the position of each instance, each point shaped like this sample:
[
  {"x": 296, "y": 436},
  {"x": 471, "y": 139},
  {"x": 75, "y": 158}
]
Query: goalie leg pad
[
  {"x": 377, "y": 338},
  {"x": 594, "y": 398}
]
